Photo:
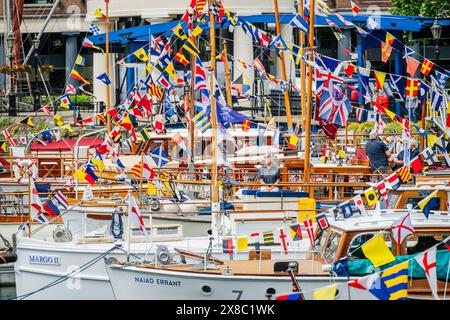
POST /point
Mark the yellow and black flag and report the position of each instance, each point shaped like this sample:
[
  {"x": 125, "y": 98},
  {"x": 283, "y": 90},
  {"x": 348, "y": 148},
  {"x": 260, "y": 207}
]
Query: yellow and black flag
[
  {"x": 268, "y": 238},
  {"x": 179, "y": 32},
  {"x": 27, "y": 121}
]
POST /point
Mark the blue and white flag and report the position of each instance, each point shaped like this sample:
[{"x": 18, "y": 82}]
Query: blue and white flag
[
  {"x": 436, "y": 100},
  {"x": 94, "y": 29},
  {"x": 424, "y": 88},
  {"x": 159, "y": 156},
  {"x": 408, "y": 52},
  {"x": 278, "y": 43},
  {"x": 299, "y": 22},
  {"x": 441, "y": 79},
  {"x": 104, "y": 78}
]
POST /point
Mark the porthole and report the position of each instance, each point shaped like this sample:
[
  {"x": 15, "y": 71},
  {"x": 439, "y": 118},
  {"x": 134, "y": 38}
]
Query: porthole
[
  {"x": 271, "y": 291},
  {"x": 206, "y": 290}
]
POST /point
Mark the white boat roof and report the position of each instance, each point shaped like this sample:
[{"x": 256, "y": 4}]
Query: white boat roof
[{"x": 385, "y": 221}]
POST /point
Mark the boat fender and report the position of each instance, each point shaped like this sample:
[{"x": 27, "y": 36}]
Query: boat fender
[
  {"x": 327, "y": 268},
  {"x": 21, "y": 168},
  {"x": 117, "y": 225},
  {"x": 155, "y": 205}
]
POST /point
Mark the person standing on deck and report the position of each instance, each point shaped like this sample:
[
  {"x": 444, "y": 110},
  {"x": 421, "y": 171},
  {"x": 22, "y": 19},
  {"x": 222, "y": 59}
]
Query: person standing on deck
[
  {"x": 378, "y": 153},
  {"x": 269, "y": 175}
]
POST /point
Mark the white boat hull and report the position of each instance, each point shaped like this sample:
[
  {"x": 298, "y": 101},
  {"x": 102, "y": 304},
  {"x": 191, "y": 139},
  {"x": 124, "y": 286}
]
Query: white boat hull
[
  {"x": 42, "y": 262},
  {"x": 131, "y": 283}
]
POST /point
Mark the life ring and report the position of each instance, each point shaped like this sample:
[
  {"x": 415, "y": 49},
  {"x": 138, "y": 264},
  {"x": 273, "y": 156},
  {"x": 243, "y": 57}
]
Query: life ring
[
  {"x": 25, "y": 168},
  {"x": 155, "y": 205}
]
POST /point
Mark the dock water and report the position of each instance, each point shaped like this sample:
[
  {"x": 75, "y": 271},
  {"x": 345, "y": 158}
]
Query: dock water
[{"x": 7, "y": 282}]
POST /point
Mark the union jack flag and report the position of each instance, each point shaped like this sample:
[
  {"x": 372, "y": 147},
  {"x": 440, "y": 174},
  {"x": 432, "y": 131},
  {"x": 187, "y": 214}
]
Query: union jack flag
[{"x": 200, "y": 75}]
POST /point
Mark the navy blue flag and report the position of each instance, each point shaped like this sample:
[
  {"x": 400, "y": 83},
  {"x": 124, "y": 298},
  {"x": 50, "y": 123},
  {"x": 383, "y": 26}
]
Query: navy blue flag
[
  {"x": 347, "y": 210},
  {"x": 340, "y": 267},
  {"x": 104, "y": 78},
  {"x": 225, "y": 114}
]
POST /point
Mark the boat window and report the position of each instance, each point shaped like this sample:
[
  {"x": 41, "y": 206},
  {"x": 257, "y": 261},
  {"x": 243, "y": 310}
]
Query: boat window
[
  {"x": 321, "y": 236},
  {"x": 415, "y": 202},
  {"x": 330, "y": 249},
  {"x": 393, "y": 197},
  {"x": 420, "y": 242},
  {"x": 355, "y": 252}
]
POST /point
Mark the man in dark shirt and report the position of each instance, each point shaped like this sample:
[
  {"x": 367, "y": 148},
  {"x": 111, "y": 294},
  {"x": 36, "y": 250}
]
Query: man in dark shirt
[
  {"x": 413, "y": 152},
  {"x": 269, "y": 175},
  {"x": 378, "y": 153}
]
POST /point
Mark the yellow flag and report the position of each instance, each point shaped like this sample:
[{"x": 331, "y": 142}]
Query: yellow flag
[
  {"x": 100, "y": 164},
  {"x": 149, "y": 68},
  {"x": 171, "y": 71},
  {"x": 80, "y": 175},
  {"x": 63, "y": 105},
  {"x": 99, "y": 14},
  {"x": 431, "y": 140},
  {"x": 242, "y": 243},
  {"x": 67, "y": 127},
  {"x": 151, "y": 189},
  {"x": 371, "y": 196},
  {"x": 390, "y": 114},
  {"x": 327, "y": 293},
  {"x": 58, "y": 120},
  {"x": 141, "y": 54},
  {"x": 179, "y": 32},
  {"x": 341, "y": 154},
  {"x": 198, "y": 30},
  {"x": 293, "y": 140},
  {"x": 377, "y": 251},
  {"x": 389, "y": 39}
]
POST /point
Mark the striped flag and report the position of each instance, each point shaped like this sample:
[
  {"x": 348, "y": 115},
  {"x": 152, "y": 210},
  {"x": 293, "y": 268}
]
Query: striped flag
[
  {"x": 201, "y": 121},
  {"x": 144, "y": 135},
  {"x": 404, "y": 174},
  {"x": 299, "y": 22},
  {"x": 75, "y": 75},
  {"x": 61, "y": 198},
  {"x": 137, "y": 169}
]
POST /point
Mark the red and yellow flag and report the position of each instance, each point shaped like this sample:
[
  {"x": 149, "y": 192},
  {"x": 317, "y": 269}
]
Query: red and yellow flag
[{"x": 74, "y": 74}]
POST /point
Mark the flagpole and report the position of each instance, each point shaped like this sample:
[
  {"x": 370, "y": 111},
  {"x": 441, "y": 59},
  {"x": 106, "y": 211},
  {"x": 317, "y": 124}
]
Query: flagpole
[
  {"x": 108, "y": 117},
  {"x": 129, "y": 226},
  {"x": 422, "y": 142},
  {"x": 142, "y": 178},
  {"x": 309, "y": 104},
  {"x": 302, "y": 68},
  {"x": 283, "y": 71},
  {"x": 215, "y": 196},
  {"x": 227, "y": 73},
  {"x": 29, "y": 204},
  {"x": 191, "y": 101}
]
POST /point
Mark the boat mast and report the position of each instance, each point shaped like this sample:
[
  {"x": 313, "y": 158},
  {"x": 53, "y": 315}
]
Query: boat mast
[
  {"x": 191, "y": 104},
  {"x": 9, "y": 29},
  {"x": 215, "y": 194},
  {"x": 108, "y": 117},
  {"x": 227, "y": 73},
  {"x": 309, "y": 103},
  {"x": 302, "y": 68},
  {"x": 283, "y": 72}
]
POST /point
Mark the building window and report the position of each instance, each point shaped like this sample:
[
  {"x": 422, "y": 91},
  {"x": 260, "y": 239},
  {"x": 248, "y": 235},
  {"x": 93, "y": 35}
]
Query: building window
[{"x": 37, "y": 2}]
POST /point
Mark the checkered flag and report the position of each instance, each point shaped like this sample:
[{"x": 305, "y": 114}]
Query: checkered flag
[{"x": 94, "y": 29}]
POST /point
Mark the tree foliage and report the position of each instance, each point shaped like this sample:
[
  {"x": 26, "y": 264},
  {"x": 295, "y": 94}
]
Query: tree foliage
[{"x": 426, "y": 8}]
